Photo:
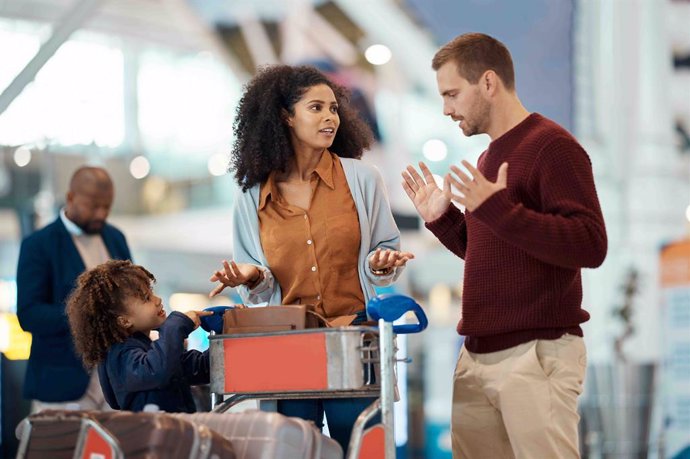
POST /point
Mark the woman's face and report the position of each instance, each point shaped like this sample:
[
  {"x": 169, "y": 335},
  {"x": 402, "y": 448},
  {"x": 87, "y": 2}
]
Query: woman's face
[{"x": 315, "y": 121}]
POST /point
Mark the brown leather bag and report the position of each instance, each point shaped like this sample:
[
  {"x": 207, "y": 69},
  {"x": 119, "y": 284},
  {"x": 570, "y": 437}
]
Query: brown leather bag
[
  {"x": 278, "y": 318},
  {"x": 264, "y": 319}
]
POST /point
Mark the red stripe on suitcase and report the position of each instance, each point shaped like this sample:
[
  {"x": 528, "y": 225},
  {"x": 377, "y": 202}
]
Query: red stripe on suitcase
[
  {"x": 276, "y": 363},
  {"x": 373, "y": 443},
  {"x": 95, "y": 446}
]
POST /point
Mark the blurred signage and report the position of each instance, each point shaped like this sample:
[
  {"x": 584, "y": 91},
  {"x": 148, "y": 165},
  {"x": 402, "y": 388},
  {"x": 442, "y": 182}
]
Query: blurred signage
[
  {"x": 675, "y": 287},
  {"x": 15, "y": 343}
]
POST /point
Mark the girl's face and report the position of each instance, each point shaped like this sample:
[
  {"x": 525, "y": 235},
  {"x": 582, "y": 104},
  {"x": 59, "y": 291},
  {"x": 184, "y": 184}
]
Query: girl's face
[
  {"x": 316, "y": 119},
  {"x": 143, "y": 315}
]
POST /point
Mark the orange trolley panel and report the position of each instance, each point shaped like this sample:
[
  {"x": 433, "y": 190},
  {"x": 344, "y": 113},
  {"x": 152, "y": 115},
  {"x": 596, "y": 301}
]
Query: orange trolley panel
[{"x": 296, "y": 362}]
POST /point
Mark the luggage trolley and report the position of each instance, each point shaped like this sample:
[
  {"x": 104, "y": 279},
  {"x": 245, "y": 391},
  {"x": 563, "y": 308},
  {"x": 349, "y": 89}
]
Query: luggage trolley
[{"x": 320, "y": 363}]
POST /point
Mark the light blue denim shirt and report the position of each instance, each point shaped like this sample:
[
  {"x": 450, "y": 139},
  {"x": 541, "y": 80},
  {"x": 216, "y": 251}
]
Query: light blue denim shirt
[{"x": 375, "y": 222}]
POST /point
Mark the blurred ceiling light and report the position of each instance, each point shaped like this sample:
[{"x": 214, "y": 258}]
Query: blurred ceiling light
[
  {"x": 687, "y": 213},
  {"x": 217, "y": 164},
  {"x": 139, "y": 167},
  {"x": 435, "y": 150},
  {"x": 378, "y": 54},
  {"x": 22, "y": 156}
]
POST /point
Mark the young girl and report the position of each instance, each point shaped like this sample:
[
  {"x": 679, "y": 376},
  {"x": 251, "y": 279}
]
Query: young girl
[{"x": 111, "y": 313}]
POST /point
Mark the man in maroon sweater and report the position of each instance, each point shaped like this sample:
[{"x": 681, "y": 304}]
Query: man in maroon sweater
[{"x": 531, "y": 222}]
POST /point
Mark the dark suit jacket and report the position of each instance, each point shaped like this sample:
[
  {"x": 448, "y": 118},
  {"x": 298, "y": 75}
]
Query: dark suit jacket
[{"x": 49, "y": 264}]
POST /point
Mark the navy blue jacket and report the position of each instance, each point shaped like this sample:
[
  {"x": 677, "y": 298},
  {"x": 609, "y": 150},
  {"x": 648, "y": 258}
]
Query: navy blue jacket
[
  {"x": 49, "y": 264},
  {"x": 140, "y": 371}
]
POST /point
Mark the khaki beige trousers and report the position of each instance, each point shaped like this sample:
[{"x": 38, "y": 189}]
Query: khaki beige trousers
[{"x": 520, "y": 402}]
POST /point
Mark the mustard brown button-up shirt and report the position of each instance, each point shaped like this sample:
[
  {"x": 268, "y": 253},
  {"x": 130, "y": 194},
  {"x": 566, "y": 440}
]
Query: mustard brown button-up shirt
[{"x": 313, "y": 253}]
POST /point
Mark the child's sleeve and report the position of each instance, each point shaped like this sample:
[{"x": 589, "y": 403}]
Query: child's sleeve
[
  {"x": 153, "y": 368},
  {"x": 196, "y": 367}
]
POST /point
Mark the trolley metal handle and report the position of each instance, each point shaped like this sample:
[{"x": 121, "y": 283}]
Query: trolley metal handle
[{"x": 391, "y": 307}]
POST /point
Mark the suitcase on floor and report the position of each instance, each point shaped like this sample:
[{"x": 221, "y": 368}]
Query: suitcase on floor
[
  {"x": 57, "y": 434},
  {"x": 162, "y": 435},
  {"x": 263, "y": 435},
  {"x": 51, "y": 433}
]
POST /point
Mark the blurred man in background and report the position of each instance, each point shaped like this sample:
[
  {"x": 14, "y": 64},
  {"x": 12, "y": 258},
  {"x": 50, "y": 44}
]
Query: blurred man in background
[{"x": 50, "y": 260}]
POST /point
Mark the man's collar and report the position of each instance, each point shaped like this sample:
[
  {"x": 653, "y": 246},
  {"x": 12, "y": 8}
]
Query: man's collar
[{"x": 72, "y": 228}]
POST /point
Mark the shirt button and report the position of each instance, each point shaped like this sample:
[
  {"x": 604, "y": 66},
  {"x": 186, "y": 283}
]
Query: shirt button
[
  {"x": 318, "y": 297},
  {"x": 309, "y": 241},
  {"x": 305, "y": 216},
  {"x": 313, "y": 268}
]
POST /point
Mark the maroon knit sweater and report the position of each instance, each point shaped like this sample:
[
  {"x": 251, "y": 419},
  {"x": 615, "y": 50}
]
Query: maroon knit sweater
[{"x": 524, "y": 246}]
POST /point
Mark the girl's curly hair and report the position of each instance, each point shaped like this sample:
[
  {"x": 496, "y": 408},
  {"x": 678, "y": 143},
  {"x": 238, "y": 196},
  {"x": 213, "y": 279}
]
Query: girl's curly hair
[
  {"x": 99, "y": 298},
  {"x": 262, "y": 138}
]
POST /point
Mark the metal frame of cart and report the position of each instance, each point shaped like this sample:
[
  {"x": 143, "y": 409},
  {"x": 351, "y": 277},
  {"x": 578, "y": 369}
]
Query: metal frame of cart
[{"x": 318, "y": 363}]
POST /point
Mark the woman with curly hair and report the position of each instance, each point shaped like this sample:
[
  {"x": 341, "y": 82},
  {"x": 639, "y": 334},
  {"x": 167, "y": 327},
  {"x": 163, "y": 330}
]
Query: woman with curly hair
[
  {"x": 312, "y": 224},
  {"x": 111, "y": 313}
]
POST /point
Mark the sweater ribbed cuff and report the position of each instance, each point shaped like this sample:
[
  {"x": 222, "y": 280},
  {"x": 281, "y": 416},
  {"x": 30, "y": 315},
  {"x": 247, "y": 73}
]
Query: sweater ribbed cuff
[
  {"x": 445, "y": 222},
  {"x": 494, "y": 210}
]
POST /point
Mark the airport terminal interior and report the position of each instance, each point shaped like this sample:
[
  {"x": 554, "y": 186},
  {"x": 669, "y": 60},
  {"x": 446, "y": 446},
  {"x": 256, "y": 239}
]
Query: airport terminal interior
[{"x": 148, "y": 90}]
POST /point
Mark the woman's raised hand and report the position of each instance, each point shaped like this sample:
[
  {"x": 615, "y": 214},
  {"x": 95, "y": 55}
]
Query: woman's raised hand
[
  {"x": 234, "y": 274},
  {"x": 387, "y": 259}
]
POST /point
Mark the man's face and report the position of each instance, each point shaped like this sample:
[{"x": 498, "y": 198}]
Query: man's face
[
  {"x": 463, "y": 101},
  {"x": 89, "y": 207}
]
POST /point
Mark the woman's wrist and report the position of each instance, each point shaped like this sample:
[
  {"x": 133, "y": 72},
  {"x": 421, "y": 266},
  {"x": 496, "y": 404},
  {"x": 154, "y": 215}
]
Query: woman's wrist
[{"x": 252, "y": 283}]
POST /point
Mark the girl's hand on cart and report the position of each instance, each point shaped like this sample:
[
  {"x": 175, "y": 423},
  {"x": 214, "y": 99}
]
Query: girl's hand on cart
[
  {"x": 234, "y": 274},
  {"x": 382, "y": 262},
  {"x": 196, "y": 316}
]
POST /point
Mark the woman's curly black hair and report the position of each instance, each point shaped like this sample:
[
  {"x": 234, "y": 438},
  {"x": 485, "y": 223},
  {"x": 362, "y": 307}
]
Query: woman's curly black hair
[
  {"x": 262, "y": 138},
  {"x": 99, "y": 298}
]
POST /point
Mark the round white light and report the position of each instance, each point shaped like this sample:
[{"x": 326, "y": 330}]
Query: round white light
[
  {"x": 22, "y": 156},
  {"x": 687, "y": 213},
  {"x": 435, "y": 150},
  {"x": 378, "y": 54},
  {"x": 139, "y": 167},
  {"x": 217, "y": 164}
]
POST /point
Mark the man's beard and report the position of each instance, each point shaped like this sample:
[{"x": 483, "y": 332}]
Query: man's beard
[
  {"x": 90, "y": 228},
  {"x": 480, "y": 116}
]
